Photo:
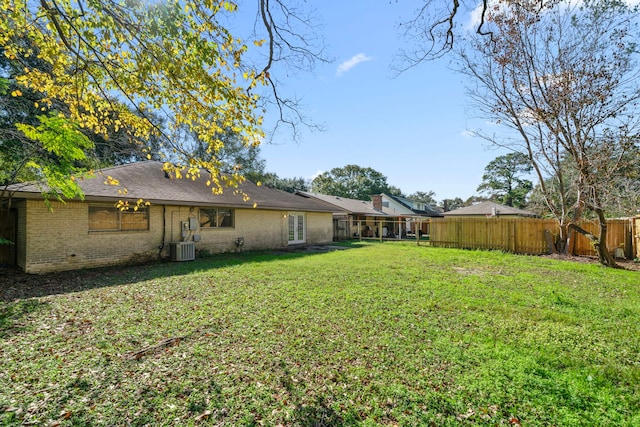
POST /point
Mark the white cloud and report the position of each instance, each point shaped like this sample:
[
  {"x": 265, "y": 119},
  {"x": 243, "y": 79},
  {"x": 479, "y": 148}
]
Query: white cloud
[
  {"x": 352, "y": 62},
  {"x": 318, "y": 172},
  {"x": 474, "y": 18}
]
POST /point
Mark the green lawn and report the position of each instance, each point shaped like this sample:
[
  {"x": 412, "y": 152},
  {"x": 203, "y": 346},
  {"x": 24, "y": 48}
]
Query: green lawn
[{"x": 378, "y": 334}]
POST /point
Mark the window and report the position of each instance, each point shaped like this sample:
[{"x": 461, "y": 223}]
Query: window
[
  {"x": 216, "y": 218},
  {"x": 109, "y": 218}
]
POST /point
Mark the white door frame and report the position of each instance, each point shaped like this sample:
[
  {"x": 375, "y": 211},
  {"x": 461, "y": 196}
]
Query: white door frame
[{"x": 296, "y": 228}]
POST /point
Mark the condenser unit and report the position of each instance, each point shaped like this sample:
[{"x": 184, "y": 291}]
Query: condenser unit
[{"x": 182, "y": 251}]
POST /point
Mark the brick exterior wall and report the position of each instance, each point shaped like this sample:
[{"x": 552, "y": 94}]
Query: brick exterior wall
[
  {"x": 377, "y": 201},
  {"x": 319, "y": 228},
  {"x": 59, "y": 239}
]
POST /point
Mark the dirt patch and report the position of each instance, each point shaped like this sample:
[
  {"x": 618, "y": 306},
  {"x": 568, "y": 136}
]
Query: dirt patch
[
  {"x": 623, "y": 263},
  {"x": 15, "y": 284},
  {"x": 310, "y": 249},
  {"x": 469, "y": 271}
]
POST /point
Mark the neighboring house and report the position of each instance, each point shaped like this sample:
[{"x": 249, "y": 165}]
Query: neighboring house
[
  {"x": 351, "y": 217},
  {"x": 410, "y": 212},
  {"x": 404, "y": 207},
  {"x": 383, "y": 216},
  {"x": 489, "y": 209},
  {"x": 183, "y": 217}
]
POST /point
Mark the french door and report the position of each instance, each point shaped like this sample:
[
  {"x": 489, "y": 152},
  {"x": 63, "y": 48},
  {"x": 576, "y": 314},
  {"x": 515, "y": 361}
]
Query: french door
[{"x": 297, "y": 228}]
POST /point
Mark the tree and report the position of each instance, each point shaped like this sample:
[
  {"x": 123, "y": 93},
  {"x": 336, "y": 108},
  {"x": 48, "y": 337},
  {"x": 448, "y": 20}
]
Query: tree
[
  {"x": 452, "y": 204},
  {"x": 563, "y": 77},
  {"x": 351, "y": 181},
  {"x": 431, "y": 33},
  {"x": 502, "y": 179},
  {"x": 290, "y": 185},
  {"x": 292, "y": 41},
  {"x": 622, "y": 199},
  {"x": 233, "y": 156},
  {"x": 426, "y": 197},
  {"x": 16, "y": 148},
  {"x": 146, "y": 71}
]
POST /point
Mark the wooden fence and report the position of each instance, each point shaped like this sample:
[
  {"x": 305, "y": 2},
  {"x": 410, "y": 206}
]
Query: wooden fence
[
  {"x": 619, "y": 238},
  {"x": 525, "y": 235}
]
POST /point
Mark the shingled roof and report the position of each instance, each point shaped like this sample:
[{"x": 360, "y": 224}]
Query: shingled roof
[
  {"x": 147, "y": 181},
  {"x": 428, "y": 211},
  {"x": 489, "y": 208},
  {"x": 344, "y": 204}
]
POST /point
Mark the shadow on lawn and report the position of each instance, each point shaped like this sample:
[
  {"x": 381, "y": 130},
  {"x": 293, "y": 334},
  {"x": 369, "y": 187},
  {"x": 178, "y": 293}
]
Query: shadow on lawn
[
  {"x": 15, "y": 285},
  {"x": 10, "y": 315},
  {"x": 318, "y": 415}
]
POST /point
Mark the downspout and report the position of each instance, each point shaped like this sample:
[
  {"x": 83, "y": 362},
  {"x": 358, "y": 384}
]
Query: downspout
[{"x": 164, "y": 230}]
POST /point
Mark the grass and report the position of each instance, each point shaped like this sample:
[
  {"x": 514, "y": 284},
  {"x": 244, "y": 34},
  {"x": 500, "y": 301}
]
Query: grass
[{"x": 379, "y": 334}]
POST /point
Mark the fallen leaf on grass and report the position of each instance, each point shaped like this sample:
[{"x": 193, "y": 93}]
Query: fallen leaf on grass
[
  {"x": 204, "y": 415},
  {"x": 470, "y": 413}
]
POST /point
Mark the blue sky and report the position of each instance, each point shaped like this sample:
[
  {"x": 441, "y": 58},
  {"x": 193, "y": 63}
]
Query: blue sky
[{"x": 413, "y": 128}]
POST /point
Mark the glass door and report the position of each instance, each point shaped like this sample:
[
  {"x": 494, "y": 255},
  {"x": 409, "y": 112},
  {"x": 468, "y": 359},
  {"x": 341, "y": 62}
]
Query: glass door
[{"x": 297, "y": 228}]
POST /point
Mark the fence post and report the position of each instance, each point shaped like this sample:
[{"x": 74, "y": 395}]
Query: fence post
[
  {"x": 628, "y": 239},
  {"x": 636, "y": 237}
]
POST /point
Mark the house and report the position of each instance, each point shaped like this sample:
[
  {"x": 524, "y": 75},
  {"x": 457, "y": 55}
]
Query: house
[
  {"x": 489, "y": 209},
  {"x": 351, "y": 217},
  {"x": 404, "y": 207},
  {"x": 183, "y": 218},
  {"x": 414, "y": 214},
  {"x": 383, "y": 216}
]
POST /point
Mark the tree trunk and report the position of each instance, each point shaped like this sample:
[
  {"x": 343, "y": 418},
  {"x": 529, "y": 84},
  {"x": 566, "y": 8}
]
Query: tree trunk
[
  {"x": 604, "y": 256},
  {"x": 599, "y": 243},
  {"x": 563, "y": 239}
]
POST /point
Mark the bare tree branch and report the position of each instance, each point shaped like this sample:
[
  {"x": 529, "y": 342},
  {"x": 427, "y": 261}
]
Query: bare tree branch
[{"x": 291, "y": 37}]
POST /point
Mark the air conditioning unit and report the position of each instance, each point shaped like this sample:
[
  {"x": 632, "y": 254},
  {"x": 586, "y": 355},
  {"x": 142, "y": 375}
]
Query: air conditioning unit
[{"x": 182, "y": 251}]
